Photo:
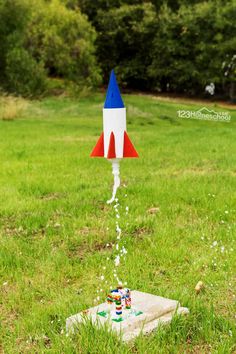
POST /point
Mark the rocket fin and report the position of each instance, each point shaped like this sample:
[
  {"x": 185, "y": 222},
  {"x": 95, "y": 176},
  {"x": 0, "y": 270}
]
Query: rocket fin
[
  {"x": 129, "y": 149},
  {"x": 112, "y": 149},
  {"x": 98, "y": 150}
]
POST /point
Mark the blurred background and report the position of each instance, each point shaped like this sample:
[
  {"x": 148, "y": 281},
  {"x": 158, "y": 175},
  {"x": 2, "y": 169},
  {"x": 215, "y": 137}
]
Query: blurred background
[{"x": 177, "y": 47}]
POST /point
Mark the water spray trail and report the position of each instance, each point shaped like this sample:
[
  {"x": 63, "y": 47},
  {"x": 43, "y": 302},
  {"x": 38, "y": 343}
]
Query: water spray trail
[
  {"x": 119, "y": 255},
  {"x": 116, "y": 174}
]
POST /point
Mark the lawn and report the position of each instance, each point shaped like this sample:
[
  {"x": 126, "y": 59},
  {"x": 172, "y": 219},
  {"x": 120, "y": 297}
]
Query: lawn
[{"x": 55, "y": 224}]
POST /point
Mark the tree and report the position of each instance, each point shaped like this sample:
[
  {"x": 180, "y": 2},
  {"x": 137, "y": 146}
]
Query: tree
[
  {"x": 63, "y": 40},
  {"x": 41, "y": 37},
  {"x": 190, "y": 46},
  {"x": 124, "y": 40}
]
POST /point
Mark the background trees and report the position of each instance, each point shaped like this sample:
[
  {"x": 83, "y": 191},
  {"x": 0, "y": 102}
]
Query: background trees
[
  {"x": 45, "y": 38},
  {"x": 159, "y": 45}
]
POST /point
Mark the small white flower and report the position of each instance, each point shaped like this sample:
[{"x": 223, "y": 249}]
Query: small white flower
[
  {"x": 102, "y": 277},
  {"x": 226, "y": 212},
  {"x": 214, "y": 243}
]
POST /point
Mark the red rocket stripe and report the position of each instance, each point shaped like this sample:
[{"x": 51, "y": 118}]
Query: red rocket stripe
[
  {"x": 129, "y": 149},
  {"x": 98, "y": 150},
  {"x": 111, "y": 150}
]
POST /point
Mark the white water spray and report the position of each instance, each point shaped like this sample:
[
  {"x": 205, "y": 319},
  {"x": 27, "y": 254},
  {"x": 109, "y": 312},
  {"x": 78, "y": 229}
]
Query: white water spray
[{"x": 116, "y": 174}]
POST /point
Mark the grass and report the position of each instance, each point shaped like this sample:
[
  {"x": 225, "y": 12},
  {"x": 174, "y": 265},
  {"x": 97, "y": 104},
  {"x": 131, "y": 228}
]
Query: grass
[
  {"x": 12, "y": 107},
  {"x": 55, "y": 224}
]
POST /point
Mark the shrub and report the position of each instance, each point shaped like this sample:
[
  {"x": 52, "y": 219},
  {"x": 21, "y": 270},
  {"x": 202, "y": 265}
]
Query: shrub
[
  {"x": 39, "y": 37},
  {"x": 24, "y": 75},
  {"x": 63, "y": 40}
]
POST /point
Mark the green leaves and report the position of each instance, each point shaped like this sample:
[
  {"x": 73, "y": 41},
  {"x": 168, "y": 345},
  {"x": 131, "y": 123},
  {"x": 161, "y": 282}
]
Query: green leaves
[{"x": 49, "y": 38}]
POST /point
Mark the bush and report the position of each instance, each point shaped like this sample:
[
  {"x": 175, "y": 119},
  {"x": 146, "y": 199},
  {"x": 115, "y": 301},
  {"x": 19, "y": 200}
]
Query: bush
[
  {"x": 63, "y": 40},
  {"x": 14, "y": 15},
  {"x": 24, "y": 75},
  {"x": 39, "y": 37}
]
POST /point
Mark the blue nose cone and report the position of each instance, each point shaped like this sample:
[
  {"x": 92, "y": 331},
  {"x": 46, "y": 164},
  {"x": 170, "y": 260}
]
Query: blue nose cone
[{"x": 113, "y": 97}]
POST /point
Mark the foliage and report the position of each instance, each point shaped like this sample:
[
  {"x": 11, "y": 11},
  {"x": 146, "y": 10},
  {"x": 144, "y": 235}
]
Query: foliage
[
  {"x": 24, "y": 75},
  {"x": 63, "y": 40},
  {"x": 190, "y": 46},
  {"x": 170, "y": 46},
  {"x": 124, "y": 42},
  {"x": 14, "y": 15},
  {"x": 46, "y": 37}
]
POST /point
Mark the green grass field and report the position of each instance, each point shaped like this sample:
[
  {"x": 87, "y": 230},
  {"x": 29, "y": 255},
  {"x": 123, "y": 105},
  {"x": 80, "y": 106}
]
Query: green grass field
[{"x": 55, "y": 225}]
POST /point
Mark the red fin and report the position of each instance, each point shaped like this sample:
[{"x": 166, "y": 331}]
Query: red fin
[
  {"x": 98, "y": 150},
  {"x": 129, "y": 150},
  {"x": 111, "y": 150}
]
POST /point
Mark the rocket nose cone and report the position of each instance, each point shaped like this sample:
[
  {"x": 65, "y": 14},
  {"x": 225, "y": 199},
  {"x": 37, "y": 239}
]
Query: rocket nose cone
[{"x": 113, "y": 96}]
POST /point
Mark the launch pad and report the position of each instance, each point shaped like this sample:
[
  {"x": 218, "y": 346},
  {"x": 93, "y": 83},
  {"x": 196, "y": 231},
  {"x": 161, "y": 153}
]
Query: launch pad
[{"x": 146, "y": 314}]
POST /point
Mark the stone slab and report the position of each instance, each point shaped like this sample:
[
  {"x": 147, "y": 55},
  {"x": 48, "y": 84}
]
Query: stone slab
[{"x": 150, "y": 311}]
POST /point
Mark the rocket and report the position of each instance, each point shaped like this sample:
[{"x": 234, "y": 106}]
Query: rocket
[{"x": 114, "y": 142}]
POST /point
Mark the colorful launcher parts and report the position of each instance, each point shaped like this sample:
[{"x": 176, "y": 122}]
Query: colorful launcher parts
[{"x": 121, "y": 298}]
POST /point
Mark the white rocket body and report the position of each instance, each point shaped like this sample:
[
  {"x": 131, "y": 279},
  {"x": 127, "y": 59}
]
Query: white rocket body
[{"x": 114, "y": 120}]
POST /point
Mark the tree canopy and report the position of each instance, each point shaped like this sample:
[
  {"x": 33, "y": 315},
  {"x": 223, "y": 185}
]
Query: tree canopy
[{"x": 159, "y": 45}]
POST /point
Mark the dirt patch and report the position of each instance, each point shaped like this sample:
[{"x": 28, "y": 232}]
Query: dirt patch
[
  {"x": 141, "y": 231},
  {"x": 52, "y": 196}
]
